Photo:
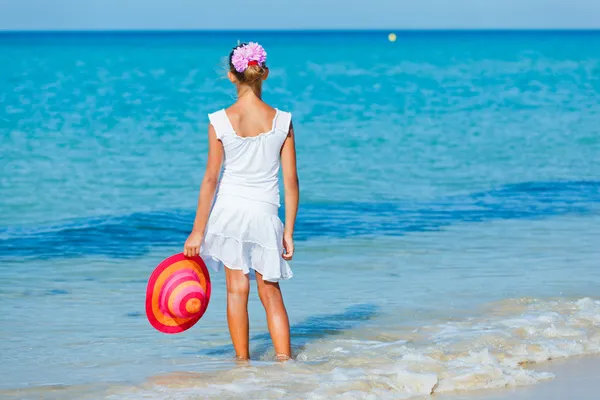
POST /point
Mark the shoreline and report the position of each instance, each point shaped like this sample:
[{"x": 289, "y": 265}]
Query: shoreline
[{"x": 574, "y": 378}]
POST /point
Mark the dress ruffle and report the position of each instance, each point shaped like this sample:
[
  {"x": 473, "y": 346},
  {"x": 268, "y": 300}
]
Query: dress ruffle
[{"x": 245, "y": 235}]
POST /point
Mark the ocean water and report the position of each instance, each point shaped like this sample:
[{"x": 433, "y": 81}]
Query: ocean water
[{"x": 447, "y": 236}]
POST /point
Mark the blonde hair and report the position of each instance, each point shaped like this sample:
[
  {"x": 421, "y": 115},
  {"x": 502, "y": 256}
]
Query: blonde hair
[{"x": 252, "y": 76}]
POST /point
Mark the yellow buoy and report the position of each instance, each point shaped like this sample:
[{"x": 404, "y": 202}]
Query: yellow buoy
[{"x": 392, "y": 37}]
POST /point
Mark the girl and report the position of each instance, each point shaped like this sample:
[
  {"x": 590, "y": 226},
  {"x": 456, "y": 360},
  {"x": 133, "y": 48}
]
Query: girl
[{"x": 243, "y": 230}]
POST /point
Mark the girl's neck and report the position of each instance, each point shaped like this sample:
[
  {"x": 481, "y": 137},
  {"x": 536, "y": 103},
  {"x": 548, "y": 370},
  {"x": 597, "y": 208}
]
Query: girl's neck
[{"x": 247, "y": 93}]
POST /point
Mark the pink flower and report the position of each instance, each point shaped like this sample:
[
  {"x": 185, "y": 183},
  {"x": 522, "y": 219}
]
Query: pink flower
[{"x": 246, "y": 53}]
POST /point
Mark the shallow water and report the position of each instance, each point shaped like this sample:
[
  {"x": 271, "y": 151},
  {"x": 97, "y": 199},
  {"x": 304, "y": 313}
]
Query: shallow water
[{"x": 447, "y": 234}]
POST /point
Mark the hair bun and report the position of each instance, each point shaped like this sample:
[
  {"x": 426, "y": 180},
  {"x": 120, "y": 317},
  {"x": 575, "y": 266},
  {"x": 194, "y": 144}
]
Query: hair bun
[{"x": 254, "y": 73}]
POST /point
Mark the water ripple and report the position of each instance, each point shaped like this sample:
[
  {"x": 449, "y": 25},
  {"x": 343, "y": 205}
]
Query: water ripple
[{"x": 135, "y": 234}]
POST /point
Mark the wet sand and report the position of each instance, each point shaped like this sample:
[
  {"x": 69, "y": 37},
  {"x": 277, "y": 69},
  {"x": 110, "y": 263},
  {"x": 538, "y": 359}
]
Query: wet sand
[{"x": 575, "y": 378}]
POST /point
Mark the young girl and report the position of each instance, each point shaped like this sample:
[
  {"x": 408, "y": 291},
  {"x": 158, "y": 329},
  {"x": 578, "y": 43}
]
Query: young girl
[{"x": 243, "y": 230}]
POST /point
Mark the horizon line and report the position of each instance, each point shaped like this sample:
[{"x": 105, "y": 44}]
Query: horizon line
[{"x": 309, "y": 30}]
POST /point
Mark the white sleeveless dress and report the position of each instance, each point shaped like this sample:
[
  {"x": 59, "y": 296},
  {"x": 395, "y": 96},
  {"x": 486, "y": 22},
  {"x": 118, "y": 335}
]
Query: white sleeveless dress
[{"x": 244, "y": 231}]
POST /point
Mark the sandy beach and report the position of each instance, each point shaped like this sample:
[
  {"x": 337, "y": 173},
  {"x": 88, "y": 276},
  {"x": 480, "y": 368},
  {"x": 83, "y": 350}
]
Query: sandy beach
[{"x": 576, "y": 378}]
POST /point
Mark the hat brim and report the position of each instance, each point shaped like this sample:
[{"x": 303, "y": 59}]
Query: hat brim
[{"x": 164, "y": 322}]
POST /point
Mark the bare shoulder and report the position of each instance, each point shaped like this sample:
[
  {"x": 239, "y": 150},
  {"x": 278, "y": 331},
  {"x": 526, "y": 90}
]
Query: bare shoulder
[{"x": 233, "y": 113}]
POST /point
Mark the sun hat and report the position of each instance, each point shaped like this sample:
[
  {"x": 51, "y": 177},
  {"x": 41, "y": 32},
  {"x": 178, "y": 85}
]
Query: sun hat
[{"x": 178, "y": 293}]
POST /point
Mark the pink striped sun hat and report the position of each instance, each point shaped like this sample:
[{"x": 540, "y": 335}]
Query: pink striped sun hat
[{"x": 178, "y": 293}]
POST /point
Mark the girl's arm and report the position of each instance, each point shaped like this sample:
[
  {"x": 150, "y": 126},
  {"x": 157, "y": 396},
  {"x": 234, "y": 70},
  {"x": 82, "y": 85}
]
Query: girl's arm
[
  {"x": 207, "y": 194},
  {"x": 292, "y": 191}
]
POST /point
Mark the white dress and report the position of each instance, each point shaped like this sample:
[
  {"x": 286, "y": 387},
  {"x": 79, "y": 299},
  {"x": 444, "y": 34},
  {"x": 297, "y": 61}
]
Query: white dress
[{"x": 244, "y": 230}]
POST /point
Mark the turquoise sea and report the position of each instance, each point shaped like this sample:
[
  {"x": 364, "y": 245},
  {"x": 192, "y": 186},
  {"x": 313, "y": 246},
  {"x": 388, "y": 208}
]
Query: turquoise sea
[{"x": 448, "y": 235}]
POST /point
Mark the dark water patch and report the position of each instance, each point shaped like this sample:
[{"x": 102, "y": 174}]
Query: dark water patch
[
  {"x": 136, "y": 281},
  {"x": 56, "y": 292},
  {"x": 121, "y": 237},
  {"x": 135, "y": 234},
  {"x": 520, "y": 201},
  {"x": 135, "y": 314}
]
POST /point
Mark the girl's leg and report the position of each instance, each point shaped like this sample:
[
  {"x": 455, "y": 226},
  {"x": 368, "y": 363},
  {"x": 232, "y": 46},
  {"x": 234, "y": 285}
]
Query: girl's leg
[
  {"x": 277, "y": 318},
  {"x": 238, "y": 288}
]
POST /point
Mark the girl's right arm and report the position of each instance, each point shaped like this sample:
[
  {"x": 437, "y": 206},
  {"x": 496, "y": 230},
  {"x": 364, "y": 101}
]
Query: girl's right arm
[
  {"x": 207, "y": 194},
  {"x": 292, "y": 191}
]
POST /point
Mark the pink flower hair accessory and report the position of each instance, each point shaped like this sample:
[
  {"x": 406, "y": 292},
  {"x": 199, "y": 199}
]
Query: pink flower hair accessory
[{"x": 248, "y": 54}]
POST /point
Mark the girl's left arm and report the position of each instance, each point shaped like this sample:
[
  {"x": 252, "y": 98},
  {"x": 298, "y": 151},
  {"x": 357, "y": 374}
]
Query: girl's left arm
[{"x": 207, "y": 194}]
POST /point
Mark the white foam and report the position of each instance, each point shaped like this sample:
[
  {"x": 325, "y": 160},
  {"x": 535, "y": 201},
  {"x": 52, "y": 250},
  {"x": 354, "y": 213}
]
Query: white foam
[{"x": 489, "y": 351}]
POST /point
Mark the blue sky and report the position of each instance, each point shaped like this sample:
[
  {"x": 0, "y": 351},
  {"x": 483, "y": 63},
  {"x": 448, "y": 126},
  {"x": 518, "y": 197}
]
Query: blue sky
[{"x": 297, "y": 14}]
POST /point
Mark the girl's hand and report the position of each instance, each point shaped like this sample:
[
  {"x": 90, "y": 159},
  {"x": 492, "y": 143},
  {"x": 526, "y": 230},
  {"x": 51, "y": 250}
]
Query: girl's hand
[
  {"x": 192, "y": 244},
  {"x": 288, "y": 246}
]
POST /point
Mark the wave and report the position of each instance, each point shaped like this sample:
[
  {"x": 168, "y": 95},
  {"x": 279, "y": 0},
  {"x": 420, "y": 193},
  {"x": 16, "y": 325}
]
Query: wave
[
  {"x": 364, "y": 354},
  {"x": 493, "y": 350},
  {"x": 135, "y": 234}
]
